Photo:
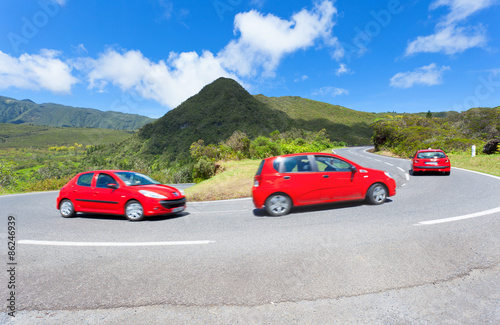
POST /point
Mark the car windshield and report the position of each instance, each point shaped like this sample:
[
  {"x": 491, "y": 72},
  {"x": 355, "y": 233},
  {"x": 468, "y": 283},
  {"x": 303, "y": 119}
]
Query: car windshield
[
  {"x": 431, "y": 154},
  {"x": 134, "y": 179}
]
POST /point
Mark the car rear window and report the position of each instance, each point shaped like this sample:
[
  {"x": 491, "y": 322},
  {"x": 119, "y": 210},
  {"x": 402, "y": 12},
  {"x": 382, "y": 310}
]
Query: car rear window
[
  {"x": 259, "y": 170},
  {"x": 431, "y": 154},
  {"x": 85, "y": 179}
]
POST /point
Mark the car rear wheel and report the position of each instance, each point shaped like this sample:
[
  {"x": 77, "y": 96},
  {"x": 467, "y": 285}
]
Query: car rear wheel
[
  {"x": 278, "y": 205},
  {"x": 376, "y": 194},
  {"x": 134, "y": 211},
  {"x": 67, "y": 209}
]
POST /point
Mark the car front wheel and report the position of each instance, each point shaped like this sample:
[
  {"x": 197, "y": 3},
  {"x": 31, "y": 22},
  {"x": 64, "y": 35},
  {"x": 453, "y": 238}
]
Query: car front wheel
[
  {"x": 134, "y": 211},
  {"x": 376, "y": 194},
  {"x": 67, "y": 209},
  {"x": 278, "y": 205}
]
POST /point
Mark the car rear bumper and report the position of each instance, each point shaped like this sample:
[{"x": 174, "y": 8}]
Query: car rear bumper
[{"x": 431, "y": 168}]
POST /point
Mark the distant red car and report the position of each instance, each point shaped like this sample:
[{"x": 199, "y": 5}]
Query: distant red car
[
  {"x": 119, "y": 192},
  {"x": 313, "y": 178},
  {"x": 430, "y": 160}
]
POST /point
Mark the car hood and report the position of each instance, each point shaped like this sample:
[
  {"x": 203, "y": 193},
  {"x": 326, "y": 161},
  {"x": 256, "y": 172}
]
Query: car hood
[{"x": 168, "y": 191}]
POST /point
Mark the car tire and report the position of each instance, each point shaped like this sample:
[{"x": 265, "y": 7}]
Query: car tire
[
  {"x": 278, "y": 204},
  {"x": 67, "y": 208},
  {"x": 376, "y": 194},
  {"x": 447, "y": 173},
  {"x": 134, "y": 211}
]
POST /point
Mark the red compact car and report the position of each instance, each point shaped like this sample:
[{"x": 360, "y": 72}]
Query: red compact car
[
  {"x": 119, "y": 192},
  {"x": 430, "y": 160},
  {"x": 313, "y": 178}
]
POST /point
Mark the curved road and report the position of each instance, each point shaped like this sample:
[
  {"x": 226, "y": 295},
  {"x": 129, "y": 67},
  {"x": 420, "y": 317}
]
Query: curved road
[{"x": 430, "y": 254}]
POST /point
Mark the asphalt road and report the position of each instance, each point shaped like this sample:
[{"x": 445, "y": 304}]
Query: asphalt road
[{"x": 430, "y": 254}]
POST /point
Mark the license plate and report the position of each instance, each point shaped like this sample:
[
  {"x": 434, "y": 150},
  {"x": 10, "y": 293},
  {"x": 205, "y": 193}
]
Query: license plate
[
  {"x": 177, "y": 209},
  {"x": 431, "y": 163}
]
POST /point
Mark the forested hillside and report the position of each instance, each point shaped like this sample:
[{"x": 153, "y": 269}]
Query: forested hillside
[
  {"x": 404, "y": 134},
  {"x": 27, "y": 112}
]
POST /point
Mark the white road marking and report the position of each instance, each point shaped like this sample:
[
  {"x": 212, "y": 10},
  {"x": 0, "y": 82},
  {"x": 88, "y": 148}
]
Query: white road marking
[
  {"x": 467, "y": 216},
  {"x": 407, "y": 176},
  {"x": 388, "y": 164},
  {"x": 401, "y": 169},
  {"x": 113, "y": 244}
]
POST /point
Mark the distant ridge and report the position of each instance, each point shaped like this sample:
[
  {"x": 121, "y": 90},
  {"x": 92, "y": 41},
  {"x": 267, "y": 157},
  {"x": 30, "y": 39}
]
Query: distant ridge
[{"x": 28, "y": 112}]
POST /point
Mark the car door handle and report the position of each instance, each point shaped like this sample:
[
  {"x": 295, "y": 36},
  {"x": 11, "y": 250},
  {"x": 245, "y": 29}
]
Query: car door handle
[
  {"x": 326, "y": 176},
  {"x": 286, "y": 177}
]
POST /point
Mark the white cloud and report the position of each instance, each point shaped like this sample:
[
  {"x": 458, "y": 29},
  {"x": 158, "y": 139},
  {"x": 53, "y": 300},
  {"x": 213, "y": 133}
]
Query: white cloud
[
  {"x": 450, "y": 38},
  {"x": 169, "y": 83},
  {"x": 331, "y": 91},
  {"x": 343, "y": 69},
  {"x": 428, "y": 75},
  {"x": 35, "y": 72},
  {"x": 460, "y": 9},
  {"x": 265, "y": 39},
  {"x": 302, "y": 78}
]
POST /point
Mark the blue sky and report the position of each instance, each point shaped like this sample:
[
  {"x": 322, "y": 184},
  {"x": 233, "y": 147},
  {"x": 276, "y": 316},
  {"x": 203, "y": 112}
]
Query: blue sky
[{"x": 148, "y": 56}]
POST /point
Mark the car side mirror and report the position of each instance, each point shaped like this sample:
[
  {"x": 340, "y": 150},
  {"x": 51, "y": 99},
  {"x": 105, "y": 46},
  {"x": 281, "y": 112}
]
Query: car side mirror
[
  {"x": 113, "y": 186},
  {"x": 354, "y": 169}
]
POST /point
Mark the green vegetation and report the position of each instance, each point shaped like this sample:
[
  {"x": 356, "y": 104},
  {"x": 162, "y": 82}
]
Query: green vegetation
[
  {"x": 235, "y": 181},
  {"x": 38, "y": 158},
  {"x": 26, "y": 136},
  {"x": 489, "y": 164},
  {"x": 404, "y": 134},
  {"x": 340, "y": 123},
  {"x": 27, "y": 112}
]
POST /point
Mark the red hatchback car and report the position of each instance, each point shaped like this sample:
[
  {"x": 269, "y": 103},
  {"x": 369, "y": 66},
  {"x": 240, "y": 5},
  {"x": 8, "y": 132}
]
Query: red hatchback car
[
  {"x": 313, "y": 178},
  {"x": 430, "y": 160},
  {"x": 119, "y": 192}
]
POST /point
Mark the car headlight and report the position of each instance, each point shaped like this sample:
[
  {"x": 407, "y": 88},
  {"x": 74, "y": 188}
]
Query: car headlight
[
  {"x": 153, "y": 195},
  {"x": 388, "y": 174}
]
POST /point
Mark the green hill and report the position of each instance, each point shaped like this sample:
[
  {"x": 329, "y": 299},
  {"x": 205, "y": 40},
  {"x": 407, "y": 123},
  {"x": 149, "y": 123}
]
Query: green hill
[
  {"x": 27, "y": 112},
  {"x": 341, "y": 123},
  {"x": 218, "y": 110}
]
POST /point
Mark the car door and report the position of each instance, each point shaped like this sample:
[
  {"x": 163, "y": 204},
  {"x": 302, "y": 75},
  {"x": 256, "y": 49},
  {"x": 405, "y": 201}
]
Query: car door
[
  {"x": 105, "y": 198},
  {"x": 339, "y": 179},
  {"x": 83, "y": 192},
  {"x": 299, "y": 179}
]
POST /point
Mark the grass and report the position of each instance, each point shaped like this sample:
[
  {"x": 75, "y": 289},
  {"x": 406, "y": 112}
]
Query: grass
[
  {"x": 234, "y": 182},
  {"x": 489, "y": 164}
]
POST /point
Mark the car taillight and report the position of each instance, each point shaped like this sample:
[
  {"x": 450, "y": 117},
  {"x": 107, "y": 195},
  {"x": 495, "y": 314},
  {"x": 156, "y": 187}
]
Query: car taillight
[{"x": 257, "y": 180}]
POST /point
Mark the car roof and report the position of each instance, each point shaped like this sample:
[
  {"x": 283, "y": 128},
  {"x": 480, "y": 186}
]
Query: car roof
[
  {"x": 107, "y": 171},
  {"x": 303, "y": 154},
  {"x": 430, "y": 150}
]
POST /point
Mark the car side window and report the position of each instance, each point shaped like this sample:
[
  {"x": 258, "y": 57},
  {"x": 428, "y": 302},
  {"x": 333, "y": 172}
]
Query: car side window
[
  {"x": 332, "y": 164},
  {"x": 85, "y": 180},
  {"x": 296, "y": 164},
  {"x": 103, "y": 180}
]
